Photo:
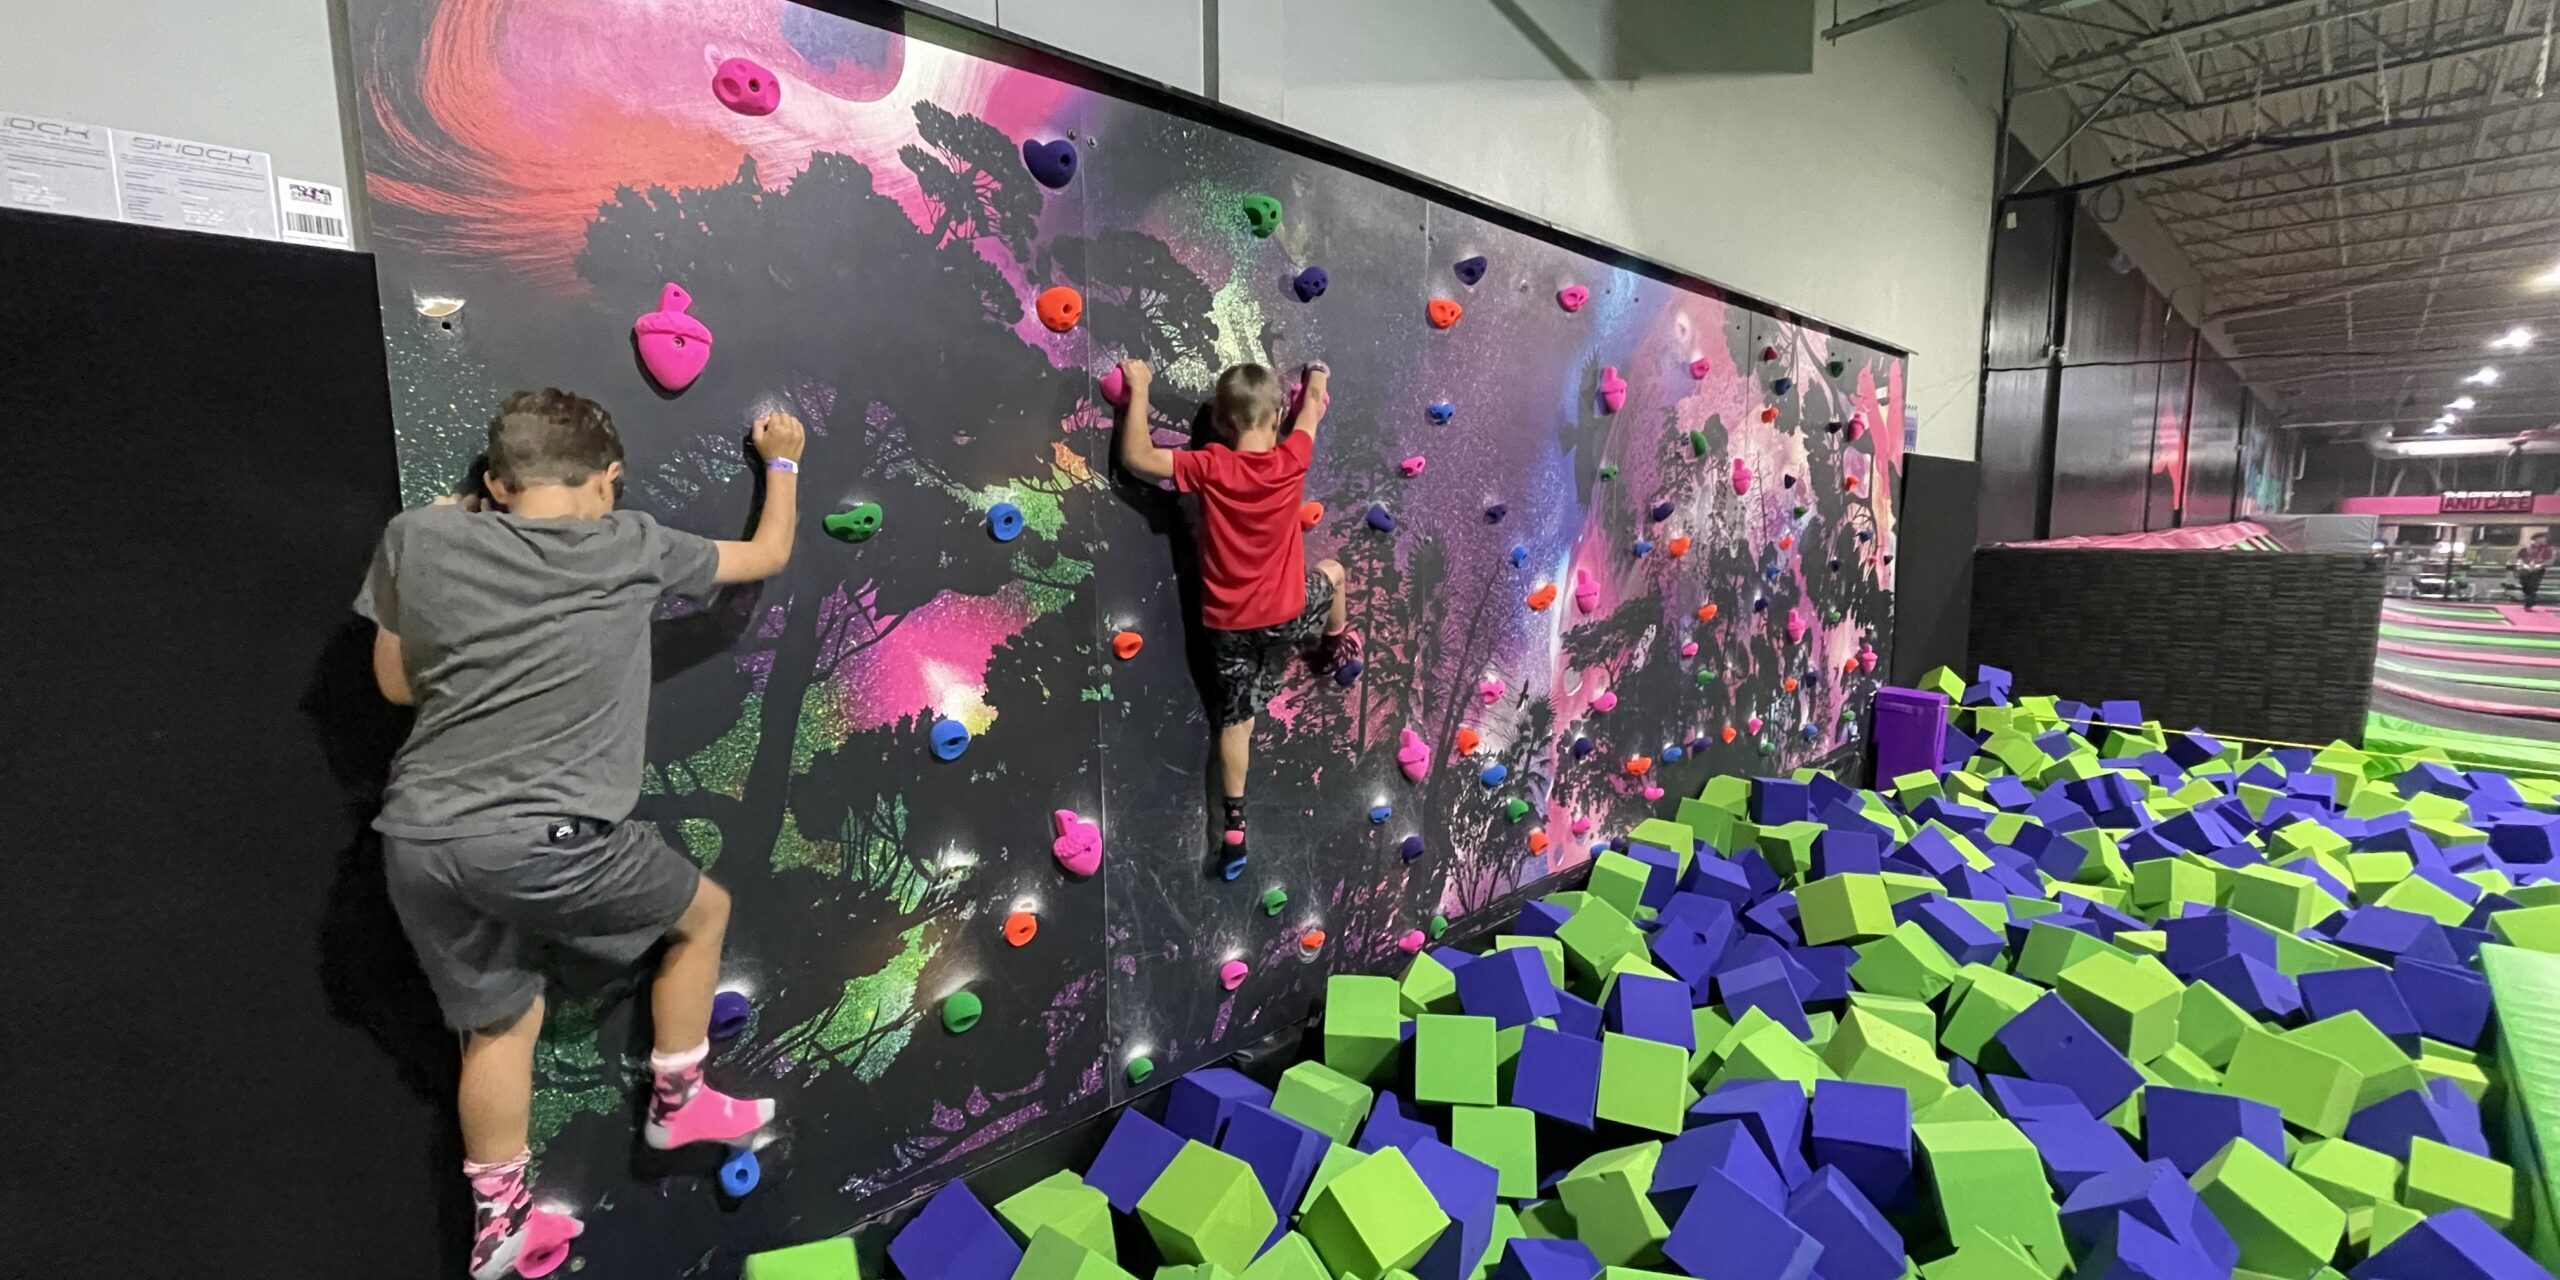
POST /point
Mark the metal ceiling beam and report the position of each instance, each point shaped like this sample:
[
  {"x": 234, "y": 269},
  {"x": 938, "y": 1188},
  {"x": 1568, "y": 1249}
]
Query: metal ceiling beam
[
  {"x": 1878, "y": 17},
  {"x": 2323, "y": 294},
  {"x": 2405, "y": 233},
  {"x": 2324, "y": 79},
  {"x": 2099, "y": 63},
  {"x": 2547, "y": 241},
  {"x": 2250, "y": 148},
  {"x": 2223, "y": 230},
  {"x": 2319, "y": 187}
]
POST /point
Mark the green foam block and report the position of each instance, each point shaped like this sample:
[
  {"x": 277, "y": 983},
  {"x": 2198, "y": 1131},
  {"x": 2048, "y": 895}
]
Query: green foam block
[
  {"x": 2283, "y": 1225},
  {"x": 829, "y": 1259},
  {"x": 1062, "y": 1200},
  {"x": 1206, "y": 1206},
  {"x": 1373, "y": 1218},
  {"x": 1612, "y": 1212},
  {"x": 1363, "y": 1025},
  {"x": 1052, "y": 1256},
  {"x": 1455, "y": 1060},
  {"x": 1322, "y": 1099}
]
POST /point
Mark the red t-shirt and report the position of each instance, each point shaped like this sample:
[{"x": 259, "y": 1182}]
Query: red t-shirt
[{"x": 1253, "y": 559}]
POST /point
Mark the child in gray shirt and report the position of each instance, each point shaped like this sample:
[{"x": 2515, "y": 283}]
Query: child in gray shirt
[{"x": 520, "y": 634}]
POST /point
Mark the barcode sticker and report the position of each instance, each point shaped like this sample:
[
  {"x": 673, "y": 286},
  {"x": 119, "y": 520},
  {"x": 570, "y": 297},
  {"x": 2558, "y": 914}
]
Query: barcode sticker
[{"x": 314, "y": 213}]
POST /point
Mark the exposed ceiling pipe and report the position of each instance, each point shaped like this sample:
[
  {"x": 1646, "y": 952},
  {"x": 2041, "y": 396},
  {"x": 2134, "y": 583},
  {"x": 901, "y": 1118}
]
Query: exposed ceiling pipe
[{"x": 2537, "y": 440}]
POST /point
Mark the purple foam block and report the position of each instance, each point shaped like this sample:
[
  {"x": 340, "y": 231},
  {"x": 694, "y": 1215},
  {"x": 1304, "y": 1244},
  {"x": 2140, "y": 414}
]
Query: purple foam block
[
  {"x": 2254, "y": 985},
  {"x": 1282, "y": 1153},
  {"x": 1131, "y": 1159},
  {"x": 2051, "y": 1042},
  {"x": 1727, "y": 1234},
  {"x": 1775, "y": 1113},
  {"x": 1780, "y": 800},
  {"x": 1662, "y": 877},
  {"x": 2022, "y": 1100},
  {"x": 1649, "y": 1009},
  {"x": 1576, "y": 1016},
  {"x": 2457, "y": 1244},
  {"x": 1763, "y": 985},
  {"x": 1557, "y": 1075},
  {"x": 2390, "y": 935},
  {"x": 2428, "y": 775},
  {"x": 1842, "y": 851},
  {"x": 1528, "y": 1259},
  {"x": 2189, "y": 1128},
  {"x": 1710, "y": 916},
  {"x": 1540, "y": 919},
  {"x": 1829, "y": 966},
  {"x": 1464, "y": 1186},
  {"x": 1864, "y": 1131},
  {"x": 2371, "y": 992},
  {"x": 1933, "y": 850},
  {"x": 2158, "y": 1197},
  {"x": 954, "y": 1238},
  {"x": 2193, "y": 747},
  {"x": 2130, "y": 1250},
  {"x": 2077, "y": 1146},
  {"x": 1755, "y": 873},
  {"x": 1198, "y": 1104},
  {"x": 1775, "y": 917},
  {"x": 1962, "y": 934},
  {"x": 1857, "y": 1243},
  {"x": 1392, "y": 1124},
  {"x": 1509, "y": 986},
  {"x": 2439, "y": 1114},
  {"x": 2452, "y": 1002},
  {"x": 1725, "y": 1147},
  {"x": 1906, "y": 728},
  {"x": 2008, "y": 794},
  {"x": 1689, "y": 956},
  {"x": 1722, "y": 879}
]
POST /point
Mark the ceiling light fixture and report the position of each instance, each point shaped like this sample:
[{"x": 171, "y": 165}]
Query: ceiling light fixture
[
  {"x": 2487, "y": 377},
  {"x": 2515, "y": 339},
  {"x": 2549, "y": 278},
  {"x": 2462, "y": 404},
  {"x": 2439, "y": 427}
]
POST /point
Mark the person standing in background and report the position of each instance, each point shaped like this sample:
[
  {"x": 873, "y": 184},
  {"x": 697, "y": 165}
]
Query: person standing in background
[{"x": 2531, "y": 560}]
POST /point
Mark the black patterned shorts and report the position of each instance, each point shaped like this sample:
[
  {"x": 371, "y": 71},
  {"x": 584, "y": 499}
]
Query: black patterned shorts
[{"x": 1252, "y": 665}]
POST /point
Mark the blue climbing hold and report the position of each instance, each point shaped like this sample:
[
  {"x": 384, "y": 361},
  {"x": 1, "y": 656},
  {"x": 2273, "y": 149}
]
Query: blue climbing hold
[
  {"x": 739, "y": 1174},
  {"x": 1760, "y": 605},
  {"x": 1864, "y": 534},
  {"x": 1495, "y": 513},
  {"x": 730, "y": 1011},
  {"x": 1493, "y": 775},
  {"x": 1672, "y": 754},
  {"x": 1309, "y": 284},
  {"x": 1662, "y": 511},
  {"x": 1782, "y": 386},
  {"x": 1788, "y": 480},
  {"x": 1004, "y": 520},
  {"x": 1411, "y": 848},
  {"x": 1581, "y": 747},
  {"x": 1644, "y": 546},
  {"x": 1519, "y": 555},
  {"x": 1470, "y": 270},
  {"x": 1773, "y": 573},
  {"x": 1380, "y": 519},
  {"x": 1232, "y": 867},
  {"x": 1378, "y": 816},
  {"x": 1347, "y": 671},
  {"x": 950, "y": 738},
  {"x": 1618, "y": 844},
  {"x": 1811, "y": 733},
  {"x": 1441, "y": 411}
]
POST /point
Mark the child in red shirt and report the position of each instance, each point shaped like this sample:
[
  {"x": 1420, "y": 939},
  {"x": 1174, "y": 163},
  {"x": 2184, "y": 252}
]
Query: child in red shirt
[{"x": 1259, "y": 601}]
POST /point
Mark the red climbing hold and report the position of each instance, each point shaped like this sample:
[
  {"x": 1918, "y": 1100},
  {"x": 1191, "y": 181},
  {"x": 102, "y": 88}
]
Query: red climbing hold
[
  {"x": 1310, "y": 515},
  {"x": 1768, "y": 353},
  {"x": 1126, "y": 644},
  {"x": 1542, "y": 597},
  {"x": 1786, "y": 542},
  {"x": 1468, "y": 740},
  {"x": 1678, "y": 546},
  {"x": 1060, "y": 308},
  {"x": 1639, "y": 765},
  {"x": 1444, "y": 312},
  {"x": 1728, "y": 735},
  {"x": 1311, "y": 942},
  {"x": 1707, "y": 612},
  {"x": 1769, "y": 414},
  {"x": 1788, "y": 684},
  {"x": 1849, "y": 483}
]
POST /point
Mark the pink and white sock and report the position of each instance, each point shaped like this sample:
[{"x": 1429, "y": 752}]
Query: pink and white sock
[
  {"x": 501, "y": 1202},
  {"x": 675, "y": 1077}
]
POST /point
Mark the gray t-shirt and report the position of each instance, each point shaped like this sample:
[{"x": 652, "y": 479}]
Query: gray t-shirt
[{"x": 527, "y": 644}]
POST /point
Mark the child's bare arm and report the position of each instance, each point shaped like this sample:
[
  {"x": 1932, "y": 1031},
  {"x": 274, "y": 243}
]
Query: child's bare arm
[
  {"x": 1139, "y": 453},
  {"x": 391, "y": 668},
  {"x": 778, "y": 437},
  {"x": 1313, "y": 400}
]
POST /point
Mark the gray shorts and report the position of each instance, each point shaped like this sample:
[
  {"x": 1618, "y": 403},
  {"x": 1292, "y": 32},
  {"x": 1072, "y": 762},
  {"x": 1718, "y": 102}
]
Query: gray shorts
[{"x": 481, "y": 910}]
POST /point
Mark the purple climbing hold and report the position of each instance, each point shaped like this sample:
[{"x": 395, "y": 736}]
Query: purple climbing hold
[
  {"x": 1309, "y": 284},
  {"x": 1835, "y": 564},
  {"x": 730, "y": 1011},
  {"x": 1760, "y": 605},
  {"x": 1411, "y": 848},
  {"x": 1052, "y": 164},
  {"x": 1347, "y": 671},
  {"x": 1773, "y": 573},
  {"x": 1380, "y": 520},
  {"x": 1582, "y": 746},
  {"x": 1495, "y": 513},
  {"x": 1662, "y": 510},
  {"x": 1788, "y": 481},
  {"x": 1782, "y": 386},
  {"x": 1470, "y": 270}
]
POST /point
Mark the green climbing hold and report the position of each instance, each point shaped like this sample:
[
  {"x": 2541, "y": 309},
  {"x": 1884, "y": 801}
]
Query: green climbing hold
[
  {"x": 1837, "y": 367},
  {"x": 1139, "y": 1069},
  {"x": 1262, "y": 215},
  {"x": 1832, "y": 616},
  {"x": 1273, "y": 901},
  {"x": 1800, "y": 513},
  {"x": 1515, "y": 808},
  {"x": 1439, "y": 925},
  {"x": 1608, "y": 473},
  {"x": 1706, "y": 678},
  {"x": 1697, "y": 444},
  {"x": 960, "y": 1012},
  {"x": 856, "y": 525}
]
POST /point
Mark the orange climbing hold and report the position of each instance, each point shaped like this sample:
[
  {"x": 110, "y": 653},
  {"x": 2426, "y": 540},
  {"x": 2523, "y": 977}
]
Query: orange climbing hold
[
  {"x": 1444, "y": 313},
  {"x": 1542, "y": 597},
  {"x": 1788, "y": 684},
  {"x": 1707, "y": 612},
  {"x": 1769, "y": 414},
  {"x": 1021, "y": 927},
  {"x": 1310, "y": 515},
  {"x": 1678, "y": 546},
  {"x": 1537, "y": 842},
  {"x": 1728, "y": 734},
  {"x": 1060, "y": 308},
  {"x": 1786, "y": 541},
  {"x": 1311, "y": 941},
  {"x": 1639, "y": 765},
  {"x": 1849, "y": 667},
  {"x": 1467, "y": 740},
  {"x": 1125, "y": 645}
]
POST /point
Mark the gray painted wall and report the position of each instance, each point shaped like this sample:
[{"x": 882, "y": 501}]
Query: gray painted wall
[{"x": 1849, "y": 181}]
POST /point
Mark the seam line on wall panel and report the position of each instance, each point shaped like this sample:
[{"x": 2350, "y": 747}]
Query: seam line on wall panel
[{"x": 1209, "y": 51}]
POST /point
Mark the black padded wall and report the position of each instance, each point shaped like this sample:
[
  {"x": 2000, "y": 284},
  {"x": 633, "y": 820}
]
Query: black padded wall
[
  {"x": 2266, "y": 645},
  {"x": 230, "y": 1065}
]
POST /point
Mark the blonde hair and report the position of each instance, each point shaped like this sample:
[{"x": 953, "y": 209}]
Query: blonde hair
[{"x": 1248, "y": 394}]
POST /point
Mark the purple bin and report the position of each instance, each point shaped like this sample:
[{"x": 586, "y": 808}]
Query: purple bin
[{"x": 1910, "y": 724}]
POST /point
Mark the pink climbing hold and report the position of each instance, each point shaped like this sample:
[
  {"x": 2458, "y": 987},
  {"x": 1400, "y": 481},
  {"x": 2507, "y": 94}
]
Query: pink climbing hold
[
  {"x": 1572, "y": 296},
  {"x": 1866, "y": 657},
  {"x": 1604, "y": 701},
  {"x": 1857, "y": 427},
  {"x": 1412, "y": 466},
  {"x": 1115, "y": 386},
  {"x": 1751, "y": 725},
  {"x": 1490, "y": 690},
  {"x": 673, "y": 346},
  {"x": 1652, "y": 792},
  {"x": 1689, "y": 650},
  {"x": 1231, "y": 974},
  {"x": 1796, "y": 626},
  {"x": 1413, "y": 756},
  {"x": 1698, "y": 368},
  {"x": 1613, "y": 389},
  {"x": 1741, "y": 476},
  {"x": 1079, "y": 843},
  {"x": 1410, "y": 942},
  {"x": 1586, "y": 593},
  {"x": 744, "y": 85},
  {"x": 1581, "y": 826}
]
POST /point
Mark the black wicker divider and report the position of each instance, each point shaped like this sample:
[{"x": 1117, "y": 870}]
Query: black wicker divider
[{"x": 2264, "y": 644}]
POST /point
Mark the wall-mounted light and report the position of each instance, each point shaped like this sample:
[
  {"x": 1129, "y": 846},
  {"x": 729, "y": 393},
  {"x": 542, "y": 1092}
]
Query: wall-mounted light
[
  {"x": 2487, "y": 377},
  {"x": 2515, "y": 339},
  {"x": 2462, "y": 404}
]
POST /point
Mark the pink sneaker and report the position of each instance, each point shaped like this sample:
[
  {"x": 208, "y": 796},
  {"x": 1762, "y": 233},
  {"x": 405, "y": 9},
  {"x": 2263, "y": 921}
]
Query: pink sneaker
[
  {"x": 532, "y": 1247},
  {"x": 708, "y": 1116}
]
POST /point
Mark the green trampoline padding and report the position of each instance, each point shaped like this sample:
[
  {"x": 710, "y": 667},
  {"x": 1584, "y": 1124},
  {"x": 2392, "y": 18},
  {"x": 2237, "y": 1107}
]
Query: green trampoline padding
[
  {"x": 2526, "y": 986},
  {"x": 2398, "y": 736},
  {"x": 2543, "y": 683},
  {"x": 2481, "y": 639},
  {"x": 2469, "y": 612}
]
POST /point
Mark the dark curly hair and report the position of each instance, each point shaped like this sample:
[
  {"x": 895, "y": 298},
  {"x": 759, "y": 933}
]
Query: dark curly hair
[{"x": 551, "y": 437}]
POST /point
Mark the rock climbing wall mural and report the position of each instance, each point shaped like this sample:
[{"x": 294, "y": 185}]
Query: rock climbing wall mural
[{"x": 1605, "y": 536}]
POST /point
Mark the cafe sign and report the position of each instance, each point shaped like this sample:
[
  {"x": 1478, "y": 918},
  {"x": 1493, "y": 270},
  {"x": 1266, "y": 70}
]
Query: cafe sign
[{"x": 2471, "y": 502}]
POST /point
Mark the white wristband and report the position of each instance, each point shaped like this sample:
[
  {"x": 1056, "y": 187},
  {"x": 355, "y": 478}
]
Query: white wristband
[{"x": 782, "y": 464}]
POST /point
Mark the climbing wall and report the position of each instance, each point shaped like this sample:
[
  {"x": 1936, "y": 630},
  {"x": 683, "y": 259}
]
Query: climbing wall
[{"x": 1696, "y": 490}]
